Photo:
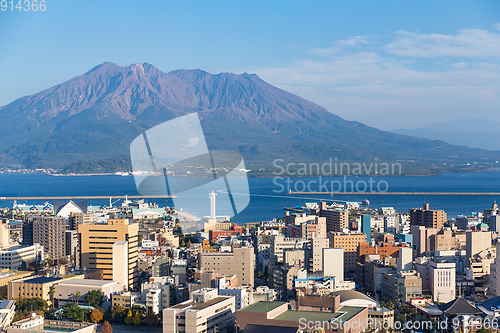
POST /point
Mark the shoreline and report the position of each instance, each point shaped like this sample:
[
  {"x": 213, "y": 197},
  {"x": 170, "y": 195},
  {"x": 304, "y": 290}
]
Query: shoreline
[{"x": 249, "y": 175}]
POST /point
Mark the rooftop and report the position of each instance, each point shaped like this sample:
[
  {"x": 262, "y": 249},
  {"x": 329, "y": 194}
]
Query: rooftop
[
  {"x": 190, "y": 305},
  {"x": 41, "y": 279},
  {"x": 6, "y": 304},
  {"x": 268, "y": 329},
  {"x": 9, "y": 274},
  {"x": 263, "y": 306},
  {"x": 87, "y": 282},
  {"x": 343, "y": 314}
]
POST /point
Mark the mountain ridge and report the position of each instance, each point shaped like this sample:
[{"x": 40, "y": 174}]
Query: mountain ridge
[
  {"x": 95, "y": 116},
  {"x": 472, "y": 133}
]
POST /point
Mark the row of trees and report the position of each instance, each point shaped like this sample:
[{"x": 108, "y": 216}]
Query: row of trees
[{"x": 117, "y": 314}]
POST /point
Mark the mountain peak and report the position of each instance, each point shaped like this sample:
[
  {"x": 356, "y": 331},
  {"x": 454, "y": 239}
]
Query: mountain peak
[
  {"x": 96, "y": 115},
  {"x": 102, "y": 67}
]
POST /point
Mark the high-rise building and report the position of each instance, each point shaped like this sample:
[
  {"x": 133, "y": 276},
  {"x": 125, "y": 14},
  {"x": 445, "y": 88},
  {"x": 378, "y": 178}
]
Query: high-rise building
[
  {"x": 97, "y": 244},
  {"x": 350, "y": 243},
  {"x": 442, "y": 280},
  {"x": 280, "y": 243},
  {"x": 4, "y": 236},
  {"x": 405, "y": 259},
  {"x": 475, "y": 243},
  {"x": 366, "y": 227},
  {"x": 240, "y": 262},
  {"x": 48, "y": 231},
  {"x": 27, "y": 226},
  {"x": 305, "y": 226},
  {"x": 75, "y": 219},
  {"x": 336, "y": 219},
  {"x": 318, "y": 244},
  {"x": 429, "y": 218},
  {"x": 494, "y": 280},
  {"x": 333, "y": 263},
  {"x": 71, "y": 244}
]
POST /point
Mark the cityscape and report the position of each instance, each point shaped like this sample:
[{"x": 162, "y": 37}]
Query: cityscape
[
  {"x": 225, "y": 166},
  {"x": 326, "y": 265}
]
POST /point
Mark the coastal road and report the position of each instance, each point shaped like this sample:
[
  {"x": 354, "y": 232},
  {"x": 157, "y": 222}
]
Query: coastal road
[{"x": 91, "y": 197}]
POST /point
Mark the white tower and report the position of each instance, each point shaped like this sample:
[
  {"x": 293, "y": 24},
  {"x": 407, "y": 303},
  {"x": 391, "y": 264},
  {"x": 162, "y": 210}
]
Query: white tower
[{"x": 212, "y": 204}]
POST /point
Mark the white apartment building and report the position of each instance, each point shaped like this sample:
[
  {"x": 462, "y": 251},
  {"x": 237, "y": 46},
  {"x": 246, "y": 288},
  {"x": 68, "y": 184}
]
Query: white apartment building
[
  {"x": 19, "y": 257},
  {"x": 154, "y": 300},
  {"x": 442, "y": 280},
  {"x": 391, "y": 223},
  {"x": 404, "y": 224},
  {"x": 214, "y": 315},
  {"x": 243, "y": 296},
  {"x": 159, "y": 293}
]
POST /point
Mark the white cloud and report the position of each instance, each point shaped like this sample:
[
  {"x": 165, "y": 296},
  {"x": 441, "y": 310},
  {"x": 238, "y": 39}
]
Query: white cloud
[
  {"x": 466, "y": 43},
  {"x": 372, "y": 86},
  {"x": 353, "y": 41},
  {"x": 337, "y": 48},
  {"x": 496, "y": 26}
]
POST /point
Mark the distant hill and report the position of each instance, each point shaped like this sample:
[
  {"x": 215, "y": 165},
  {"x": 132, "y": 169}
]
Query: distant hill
[
  {"x": 87, "y": 123},
  {"x": 472, "y": 133}
]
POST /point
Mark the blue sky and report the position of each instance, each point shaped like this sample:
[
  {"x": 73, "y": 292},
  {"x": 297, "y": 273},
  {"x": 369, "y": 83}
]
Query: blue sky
[{"x": 389, "y": 64}]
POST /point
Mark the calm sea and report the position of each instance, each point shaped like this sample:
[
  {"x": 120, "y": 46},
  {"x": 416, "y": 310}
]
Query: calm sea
[{"x": 269, "y": 195}]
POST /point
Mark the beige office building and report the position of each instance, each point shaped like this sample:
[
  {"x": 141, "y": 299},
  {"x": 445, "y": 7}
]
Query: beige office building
[
  {"x": 96, "y": 249},
  {"x": 214, "y": 315},
  {"x": 350, "y": 244},
  {"x": 240, "y": 262},
  {"x": 475, "y": 243},
  {"x": 37, "y": 286}
]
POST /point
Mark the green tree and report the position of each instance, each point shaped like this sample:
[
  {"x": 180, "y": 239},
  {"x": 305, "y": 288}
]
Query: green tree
[
  {"x": 73, "y": 312},
  {"x": 29, "y": 305},
  {"x": 94, "y": 298},
  {"x": 129, "y": 320},
  {"x": 78, "y": 294},
  {"x": 137, "y": 318},
  {"x": 118, "y": 313}
]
